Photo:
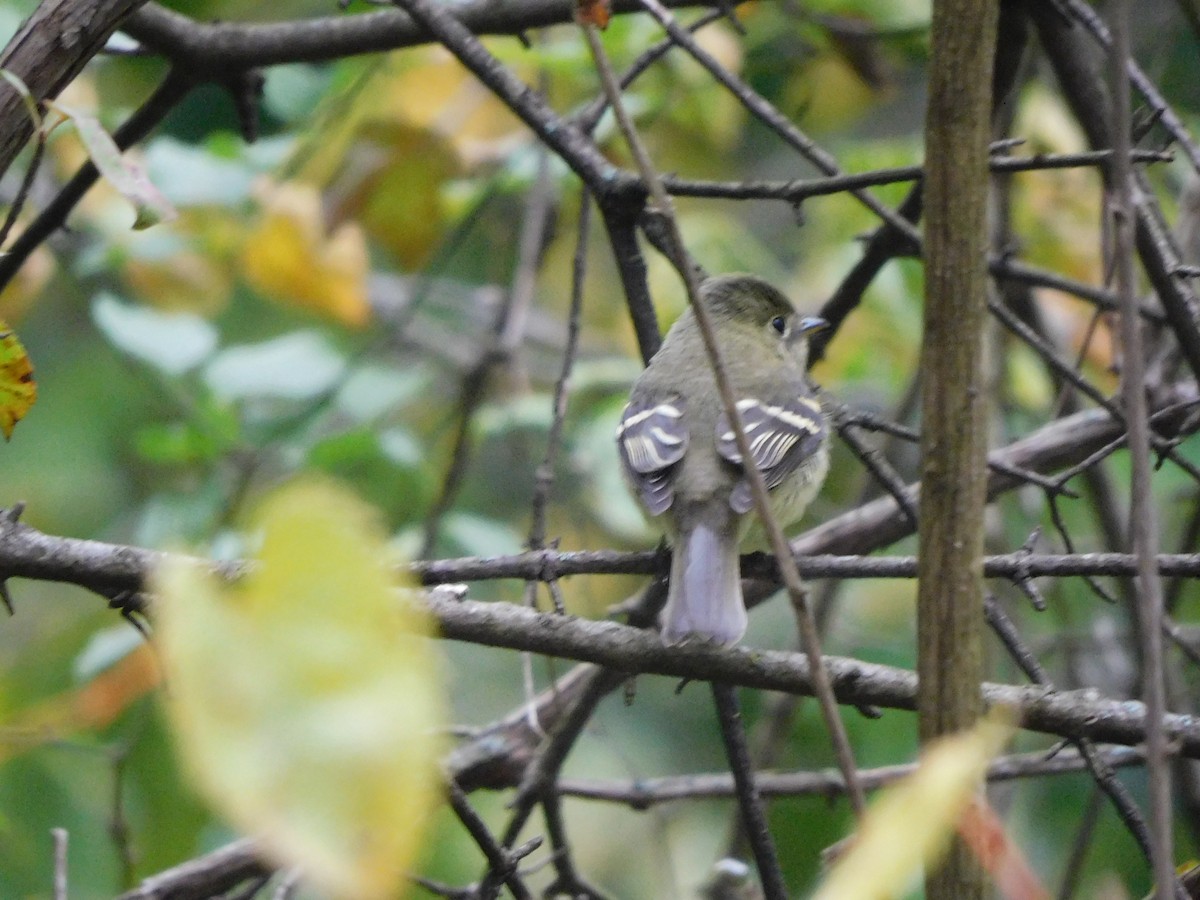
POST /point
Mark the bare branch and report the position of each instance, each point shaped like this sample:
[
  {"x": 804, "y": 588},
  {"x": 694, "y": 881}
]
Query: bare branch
[
  {"x": 644, "y": 793},
  {"x": 1072, "y": 714}
]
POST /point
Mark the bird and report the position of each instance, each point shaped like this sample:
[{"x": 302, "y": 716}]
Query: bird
[{"x": 680, "y": 456}]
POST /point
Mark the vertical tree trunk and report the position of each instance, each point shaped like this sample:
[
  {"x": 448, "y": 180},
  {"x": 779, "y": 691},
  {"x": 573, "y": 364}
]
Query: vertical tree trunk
[{"x": 953, "y": 446}]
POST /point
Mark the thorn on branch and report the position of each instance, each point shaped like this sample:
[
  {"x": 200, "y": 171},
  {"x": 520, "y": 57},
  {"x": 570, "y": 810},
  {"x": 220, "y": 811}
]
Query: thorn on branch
[
  {"x": 1061, "y": 526},
  {"x": 132, "y": 607},
  {"x": 798, "y": 214},
  {"x": 1144, "y": 122},
  {"x": 14, "y": 512},
  {"x": 1022, "y": 578},
  {"x": 246, "y": 89},
  {"x": 1031, "y": 542},
  {"x": 730, "y": 12},
  {"x": 1004, "y": 145},
  {"x": 1027, "y": 587},
  {"x": 1057, "y": 748}
]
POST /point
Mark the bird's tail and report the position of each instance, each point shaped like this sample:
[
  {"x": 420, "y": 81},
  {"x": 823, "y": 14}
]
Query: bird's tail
[{"x": 704, "y": 598}]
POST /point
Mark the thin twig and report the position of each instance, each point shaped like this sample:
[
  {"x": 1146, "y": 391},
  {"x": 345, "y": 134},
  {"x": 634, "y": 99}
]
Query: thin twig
[
  {"x": 1080, "y": 846},
  {"x": 61, "y": 838},
  {"x": 545, "y": 471},
  {"x": 502, "y": 865},
  {"x": 568, "y": 882},
  {"x": 118, "y": 822},
  {"x": 166, "y": 96},
  {"x": 18, "y": 201},
  {"x": 540, "y": 775},
  {"x": 753, "y": 813},
  {"x": 1090, "y": 20},
  {"x": 760, "y": 107},
  {"x": 881, "y": 470},
  {"x": 1103, "y": 773},
  {"x": 645, "y": 793},
  {"x": 762, "y": 503},
  {"x": 800, "y": 189},
  {"x": 1143, "y": 525}
]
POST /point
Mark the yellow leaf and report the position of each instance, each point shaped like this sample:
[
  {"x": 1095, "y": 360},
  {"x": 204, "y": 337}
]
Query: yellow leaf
[
  {"x": 19, "y": 295},
  {"x": 186, "y": 281},
  {"x": 431, "y": 90},
  {"x": 892, "y": 843},
  {"x": 830, "y": 92},
  {"x": 289, "y": 257},
  {"x": 18, "y": 390},
  {"x": 399, "y": 201},
  {"x": 306, "y": 700}
]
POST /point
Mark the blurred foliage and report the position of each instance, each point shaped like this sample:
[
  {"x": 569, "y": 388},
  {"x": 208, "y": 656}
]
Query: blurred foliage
[
  {"x": 317, "y": 306},
  {"x": 943, "y": 786},
  {"x": 318, "y": 729}
]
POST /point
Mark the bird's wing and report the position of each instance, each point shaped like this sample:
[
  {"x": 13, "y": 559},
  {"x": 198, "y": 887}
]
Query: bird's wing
[
  {"x": 652, "y": 439},
  {"x": 781, "y": 436}
]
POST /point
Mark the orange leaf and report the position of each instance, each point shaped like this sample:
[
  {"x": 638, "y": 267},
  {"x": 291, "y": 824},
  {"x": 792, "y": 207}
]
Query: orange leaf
[
  {"x": 289, "y": 257},
  {"x": 593, "y": 12},
  {"x": 98, "y": 703},
  {"x": 984, "y": 833},
  {"x": 93, "y": 706},
  {"x": 18, "y": 391}
]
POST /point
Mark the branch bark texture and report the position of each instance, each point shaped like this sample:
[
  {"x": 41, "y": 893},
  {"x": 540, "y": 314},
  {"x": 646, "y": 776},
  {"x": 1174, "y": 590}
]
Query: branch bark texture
[
  {"x": 954, "y": 445},
  {"x": 47, "y": 52}
]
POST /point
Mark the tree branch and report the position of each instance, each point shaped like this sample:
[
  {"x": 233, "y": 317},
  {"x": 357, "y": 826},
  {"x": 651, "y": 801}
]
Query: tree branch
[
  {"x": 644, "y": 793},
  {"x": 220, "y": 47},
  {"x": 47, "y": 52}
]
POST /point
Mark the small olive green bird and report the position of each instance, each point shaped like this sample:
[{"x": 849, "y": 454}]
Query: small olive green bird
[{"x": 681, "y": 458}]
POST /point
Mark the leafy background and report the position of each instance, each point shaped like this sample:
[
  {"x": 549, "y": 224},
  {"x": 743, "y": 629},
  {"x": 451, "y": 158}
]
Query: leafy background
[{"x": 318, "y": 304}]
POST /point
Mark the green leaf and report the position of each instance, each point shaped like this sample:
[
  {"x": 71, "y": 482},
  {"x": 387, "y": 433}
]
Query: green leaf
[
  {"x": 383, "y": 464},
  {"x": 174, "y": 443},
  {"x": 104, "y": 649},
  {"x": 195, "y": 176},
  {"x": 296, "y": 366},
  {"x": 473, "y": 535},
  {"x": 172, "y": 342}
]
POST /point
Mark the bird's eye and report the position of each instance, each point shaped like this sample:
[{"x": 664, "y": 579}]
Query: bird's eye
[{"x": 779, "y": 323}]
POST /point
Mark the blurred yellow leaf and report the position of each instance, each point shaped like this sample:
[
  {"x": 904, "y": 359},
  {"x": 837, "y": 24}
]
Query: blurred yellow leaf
[
  {"x": 892, "y": 843},
  {"x": 399, "y": 200},
  {"x": 26, "y": 286},
  {"x": 288, "y": 257},
  {"x": 307, "y": 700},
  {"x": 187, "y": 281},
  {"x": 433, "y": 91},
  {"x": 188, "y": 267},
  {"x": 18, "y": 390},
  {"x": 831, "y": 93}
]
